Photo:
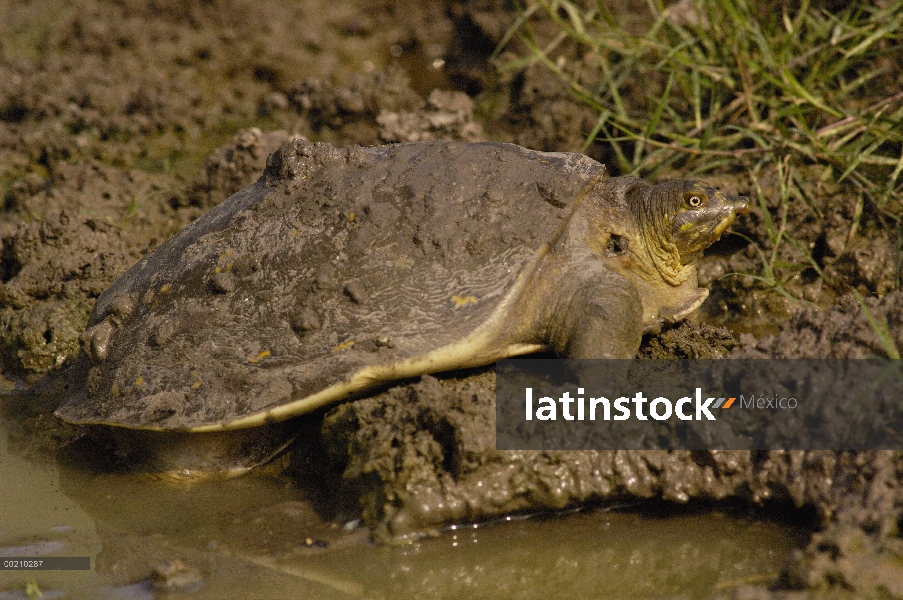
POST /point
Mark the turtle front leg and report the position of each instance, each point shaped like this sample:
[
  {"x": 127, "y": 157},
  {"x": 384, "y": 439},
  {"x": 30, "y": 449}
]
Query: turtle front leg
[{"x": 603, "y": 318}]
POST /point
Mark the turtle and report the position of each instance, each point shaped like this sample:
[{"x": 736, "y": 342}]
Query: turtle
[{"x": 345, "y": 269}]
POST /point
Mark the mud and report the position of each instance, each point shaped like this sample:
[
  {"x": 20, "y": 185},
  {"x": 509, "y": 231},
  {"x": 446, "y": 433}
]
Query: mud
[
  {"x": 846, "y": 330},
  {"x": 115, "y": 128}
]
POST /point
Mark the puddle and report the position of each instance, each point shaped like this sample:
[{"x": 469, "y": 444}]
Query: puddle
[
  {"x": 37, "y": 519},
  {"x": 257, "y": 537}
]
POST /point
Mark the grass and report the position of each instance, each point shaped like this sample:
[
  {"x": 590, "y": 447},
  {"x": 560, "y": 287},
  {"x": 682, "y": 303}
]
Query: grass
[
  {"x": 879, "y": 325},
  {"x": 736, "y": 85},
  {"x": 728, "y": 85}
]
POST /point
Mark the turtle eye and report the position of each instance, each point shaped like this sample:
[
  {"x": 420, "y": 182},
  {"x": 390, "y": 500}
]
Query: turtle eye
[{"x": 694, "y": 201}]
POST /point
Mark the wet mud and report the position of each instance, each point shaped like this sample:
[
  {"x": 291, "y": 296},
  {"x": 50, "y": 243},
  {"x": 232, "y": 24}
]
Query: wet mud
[{"x": 122, "y": 122}]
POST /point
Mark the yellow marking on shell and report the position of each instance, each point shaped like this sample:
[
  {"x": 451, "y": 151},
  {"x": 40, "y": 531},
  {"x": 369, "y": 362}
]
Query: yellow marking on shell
[
  {"x": 351, "y": 217},
  {"x": 343, "y": 345},
  {"x": 139, "y": 382},
  {"x": 463, "y": 300},
  {"x": 196, "y": 375},
  {"x": 165, "y": 288},
  {"x": 196, "y": 385},
  {"x": 222, "y": 257},
  {"x": 256, "y": 359},
  {"x": 114, "y": 390}
]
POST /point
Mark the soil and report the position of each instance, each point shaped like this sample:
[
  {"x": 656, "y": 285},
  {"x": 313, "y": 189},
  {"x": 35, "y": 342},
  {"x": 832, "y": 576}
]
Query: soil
[{"x": 123, "y": 121}]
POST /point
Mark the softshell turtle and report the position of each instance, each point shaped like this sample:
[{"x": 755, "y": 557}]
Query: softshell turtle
[{"x": 343, "y": 269}]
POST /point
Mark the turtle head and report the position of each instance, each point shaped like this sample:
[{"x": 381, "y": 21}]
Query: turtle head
[
  {"x": 678, "y": 219},
  {"x": 699, "y": 215}
]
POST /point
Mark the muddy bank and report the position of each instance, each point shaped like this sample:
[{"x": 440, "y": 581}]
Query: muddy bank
[{"x": 421, "y": 455}]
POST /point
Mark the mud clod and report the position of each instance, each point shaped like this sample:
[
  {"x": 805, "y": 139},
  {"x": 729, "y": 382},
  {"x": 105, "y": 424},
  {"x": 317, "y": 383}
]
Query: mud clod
[
  {"x": 305, "y": 322},
  {"x": 689, "y": 340},
  {"x": 163, "y": 333},
  {"x": 222, "y": 283},
  {"x": 356, "y": 292}
]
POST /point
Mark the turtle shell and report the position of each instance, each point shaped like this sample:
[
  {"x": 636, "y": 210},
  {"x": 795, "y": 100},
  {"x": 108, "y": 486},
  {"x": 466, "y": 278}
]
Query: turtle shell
[{"x": 338, "y": 270}]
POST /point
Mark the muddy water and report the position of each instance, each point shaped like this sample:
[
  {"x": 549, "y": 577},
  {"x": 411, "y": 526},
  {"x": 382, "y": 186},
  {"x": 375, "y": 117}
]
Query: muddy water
[{"x": 257, "y": 537}]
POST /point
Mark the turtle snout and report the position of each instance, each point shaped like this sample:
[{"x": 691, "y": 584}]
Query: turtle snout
[{"x": 740, "y": 204}]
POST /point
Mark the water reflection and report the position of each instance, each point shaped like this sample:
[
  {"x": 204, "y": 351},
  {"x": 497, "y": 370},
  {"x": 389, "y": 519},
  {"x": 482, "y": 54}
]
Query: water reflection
[{"x": 259, "y": 537}]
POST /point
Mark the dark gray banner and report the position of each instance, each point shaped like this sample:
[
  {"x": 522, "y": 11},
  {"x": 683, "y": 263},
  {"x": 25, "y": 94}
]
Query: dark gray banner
[
  {"x": 45, "y": 563},
  {"x": 552, "y": 404}
]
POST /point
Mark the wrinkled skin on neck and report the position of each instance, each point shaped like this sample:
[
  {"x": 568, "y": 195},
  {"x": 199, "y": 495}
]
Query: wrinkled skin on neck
[
  {"x": 679, "y": 219},
  {"x": 652, "y": 235},
  {"x": 623, "y": 264}
]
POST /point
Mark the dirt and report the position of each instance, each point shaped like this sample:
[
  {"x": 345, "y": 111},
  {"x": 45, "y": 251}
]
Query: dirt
[{"x": 121, "y": 122}]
